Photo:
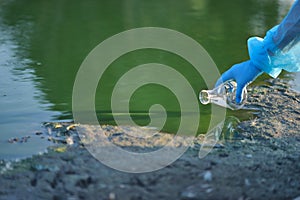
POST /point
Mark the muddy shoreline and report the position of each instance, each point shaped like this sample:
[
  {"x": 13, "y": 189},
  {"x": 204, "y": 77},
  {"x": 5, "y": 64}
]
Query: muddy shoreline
[{"x": 262, "y": 161}]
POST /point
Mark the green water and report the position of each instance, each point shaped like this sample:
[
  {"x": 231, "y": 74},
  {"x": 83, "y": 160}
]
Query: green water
[{"x": 43, "y": 43}]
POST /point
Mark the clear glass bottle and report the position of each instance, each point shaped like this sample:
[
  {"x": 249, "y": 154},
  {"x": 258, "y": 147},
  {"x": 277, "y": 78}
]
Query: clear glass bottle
[{"x": 223, "y": 95}]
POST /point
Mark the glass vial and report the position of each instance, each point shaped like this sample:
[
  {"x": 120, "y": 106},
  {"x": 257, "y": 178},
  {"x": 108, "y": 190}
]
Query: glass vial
[{"x": 223, "y": 95}]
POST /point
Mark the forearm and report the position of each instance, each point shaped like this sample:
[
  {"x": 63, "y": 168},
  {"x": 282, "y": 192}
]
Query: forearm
[
  {"x": 280, "y": 48},
  {"x": 288, "y": 31}
]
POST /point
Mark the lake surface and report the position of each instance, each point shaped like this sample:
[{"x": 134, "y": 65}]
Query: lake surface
[{"x": 43, "y": 43}]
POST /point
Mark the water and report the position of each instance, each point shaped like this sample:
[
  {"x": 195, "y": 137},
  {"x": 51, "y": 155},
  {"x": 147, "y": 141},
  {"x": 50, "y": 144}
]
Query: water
[{"x": 42, "y": 44}]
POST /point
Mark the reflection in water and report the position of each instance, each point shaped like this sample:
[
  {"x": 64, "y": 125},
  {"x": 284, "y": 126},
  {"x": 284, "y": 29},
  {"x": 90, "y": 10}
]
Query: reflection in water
[
  {"x": 225, "y": 130},
  {"x": 20, "y": 112},
  {"x": 57, "y": 35},
  {"x": 283, "y": 8}
]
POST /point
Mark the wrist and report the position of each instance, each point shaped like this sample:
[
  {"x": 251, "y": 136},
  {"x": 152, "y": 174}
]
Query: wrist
[
  {"x": 257, "y": 53},
  {"x": 260, "y": 57},
  {"x": 269, "y": 43},
  {"x": 256, "y": 69}
]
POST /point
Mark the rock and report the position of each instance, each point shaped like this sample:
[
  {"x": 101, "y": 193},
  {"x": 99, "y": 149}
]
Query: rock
[
  {"x": 19, "y": 140},
  {"x": 38, "y": 133},
  {"x": 249, "y": 155},
  {"x": 57, "y": 125},
  {"x": 218, "y": 146},
  {"x": 192, "y": 192},
  {"x": 205, "y": 186},
  {"x": 188, "y": 195},
  {"x": 247, "y": 182},
  {"x": 223, "y": 155},
  {"x": 40, "y": 167},
  {"x": 72, "y": 127},
  {"x": 13, "y": 140},
  {"x": 7, "y": 166},
  {"x": 69, "y": 141},
  {"x": 60, "y": 149},
  {"x": 208, "y": 190},
  {"x": 112, "y": 196},
  {"x": 207, "y": 176},
  {"x": 102, "y": 186}
]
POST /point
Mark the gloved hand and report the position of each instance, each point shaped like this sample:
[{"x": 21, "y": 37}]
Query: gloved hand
[
  {"x": 279, "y": 49},
  {"x": 243, "y": 74}
]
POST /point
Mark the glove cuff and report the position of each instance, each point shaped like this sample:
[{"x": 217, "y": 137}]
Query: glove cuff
[{"x": 259, "y": 54}]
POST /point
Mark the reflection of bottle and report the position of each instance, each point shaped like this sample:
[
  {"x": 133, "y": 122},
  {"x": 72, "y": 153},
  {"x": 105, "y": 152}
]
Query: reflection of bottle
[
  {"x": 223, "y": 95},
  {"x": 225, "y": 130}
]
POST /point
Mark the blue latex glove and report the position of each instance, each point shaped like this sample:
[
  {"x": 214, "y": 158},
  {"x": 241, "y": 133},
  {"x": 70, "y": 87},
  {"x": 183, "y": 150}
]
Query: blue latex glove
[{"x": 243, "y": 74}]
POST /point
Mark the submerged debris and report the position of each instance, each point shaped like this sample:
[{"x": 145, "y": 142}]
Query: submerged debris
[
  {"x": 19, "y": 140},
  {"x": 38, "y": 133}
]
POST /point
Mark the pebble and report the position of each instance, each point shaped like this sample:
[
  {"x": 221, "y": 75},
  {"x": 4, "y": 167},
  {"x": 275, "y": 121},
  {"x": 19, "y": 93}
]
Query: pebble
[
  {"x": 38, "y": 133},
  {"x": 249, "y": 155},
  {"x": 57, "y": 126},
  {"x": 20, "y": 140},
  {"x": 191, "y": 192},
  {"x": 69, "y": 141},
  {"x": 102, "y": 186},
  {"x": 188, "y": 195},
  {"x": 207, "y": 176},
  {"x": 205, "y": 186},
  {"x": 49, "y": 130},
  {"x": 218, "y": 146},
  {"x": 51, "y": 168},
  {"x": 72, "y": 127},
  {"x": 7, "y": 167},
  {"x": 209, "y": 190},
  {"x": 247, "y": 182},
  {"x": 112, "y": 196},
  {"x": 13, "y": 140}
]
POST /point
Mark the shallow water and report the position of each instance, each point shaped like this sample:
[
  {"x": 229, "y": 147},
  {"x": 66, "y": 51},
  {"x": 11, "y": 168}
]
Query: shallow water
[{"x": 43, "y": 43}]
